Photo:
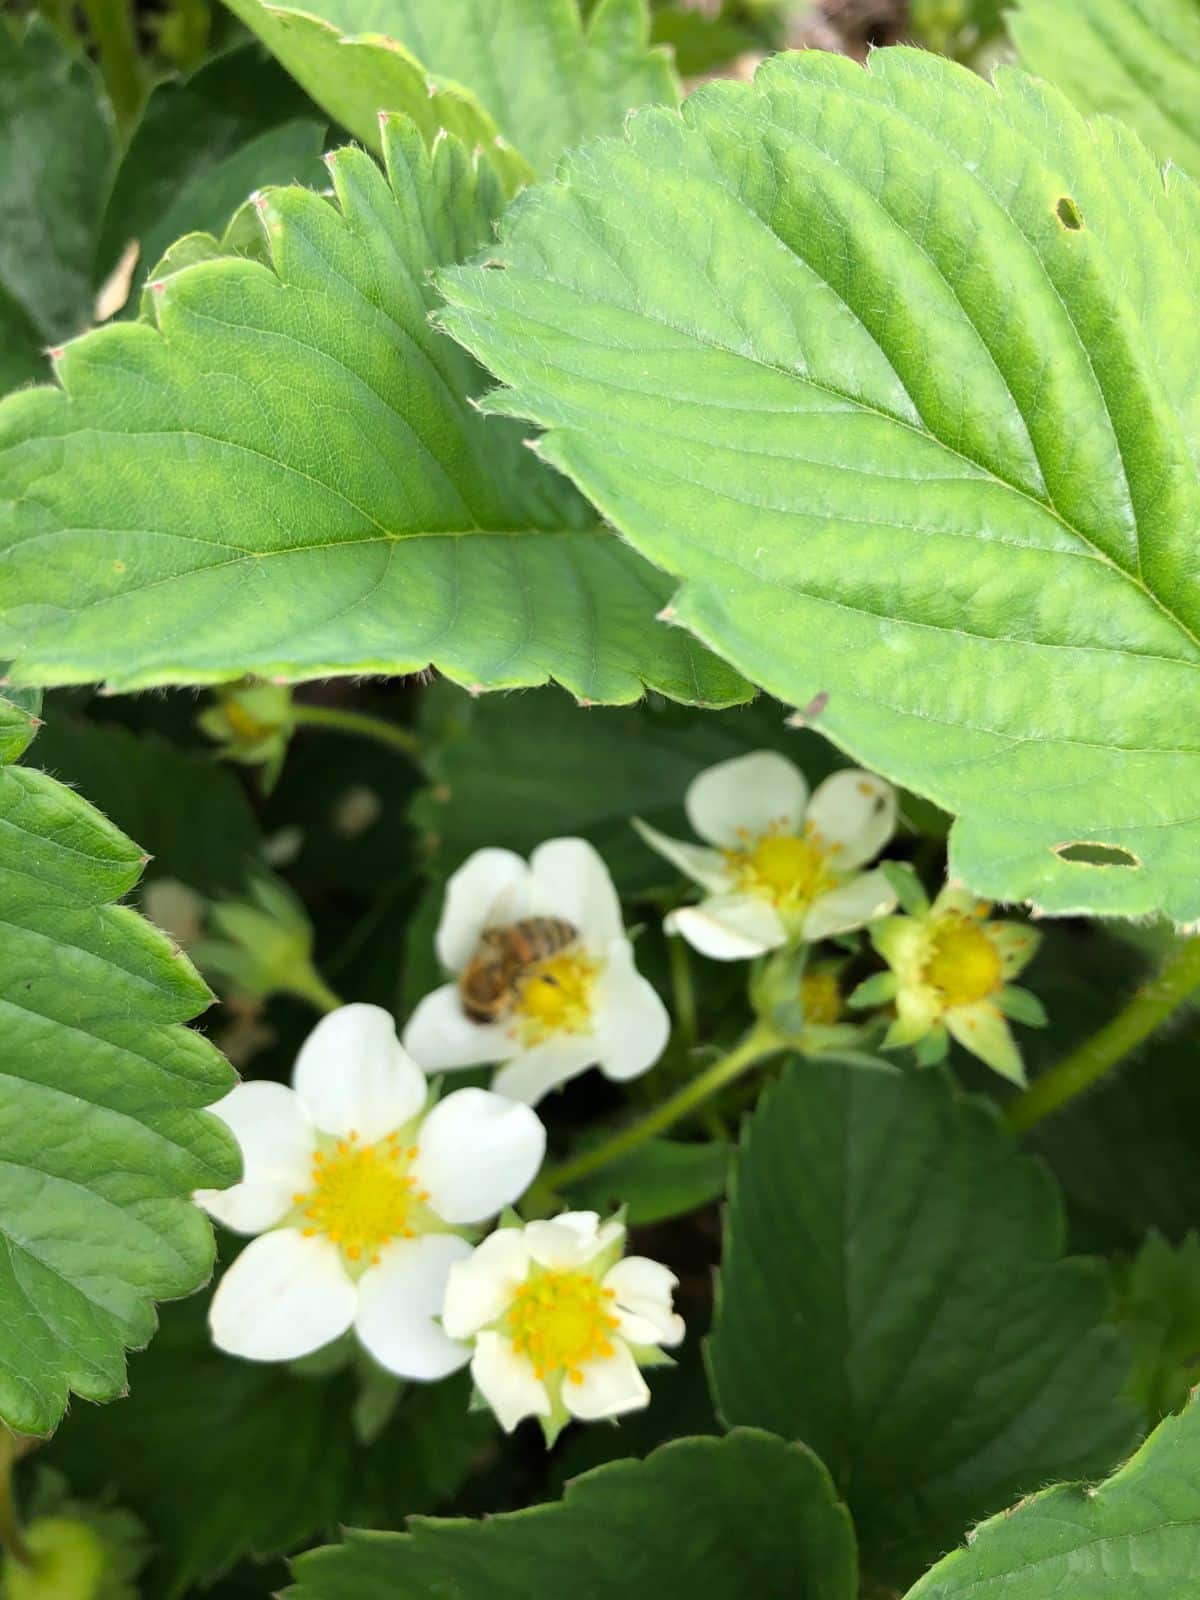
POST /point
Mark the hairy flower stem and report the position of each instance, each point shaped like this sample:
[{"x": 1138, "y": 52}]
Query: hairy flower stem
[
  {"x": 12, "y": 1539},
  {"x": 761, "y": 1041},
  {"x": 360, "y": 723},
  {"x": 1150, "y": 1007}
]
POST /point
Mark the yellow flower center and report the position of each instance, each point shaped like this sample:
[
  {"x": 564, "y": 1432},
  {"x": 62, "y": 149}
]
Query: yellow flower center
[
  {"x": 789, "y": 869},
  {"x": 964, "y": 964},
  {"x": 556, "y": 996},
  {"x": 560, "y": 1320},
  {"x": 362, "y": 1196},
  {"x": 821, "y": 999},
  {"x": 246, "y": 726}
]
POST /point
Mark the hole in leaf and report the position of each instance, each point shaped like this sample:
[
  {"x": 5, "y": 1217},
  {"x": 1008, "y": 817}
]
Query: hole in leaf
[
  {"x": 1096, "y": 855},
  {"x": 1068, "y": 213}
]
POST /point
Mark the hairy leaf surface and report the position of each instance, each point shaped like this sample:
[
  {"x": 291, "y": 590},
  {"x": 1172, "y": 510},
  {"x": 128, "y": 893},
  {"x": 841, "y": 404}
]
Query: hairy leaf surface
[
  {"x": 892, "y": 1294},
  {"x": 1135, "y": 59},
  {"x": 1135, "y": 1537},
  {"x": 288, "y": 477},
  {"x": 103, "y": 1136},
  {"x": 717, "y": 1519},
  {"x": 896, "y": 370}
]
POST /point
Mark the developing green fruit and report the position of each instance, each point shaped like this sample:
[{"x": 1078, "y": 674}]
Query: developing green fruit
[{"x": 69, "y": 1562}]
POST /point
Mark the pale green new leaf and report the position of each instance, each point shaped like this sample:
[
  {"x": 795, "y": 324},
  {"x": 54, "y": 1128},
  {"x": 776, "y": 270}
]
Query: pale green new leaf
[
  {"x": 1135, "y": 59},
  {"x": 288, "y": 477},
  {"x": 897, "y": 371},
  {"x": 892, "y": 1293},
  {"x": 1135, "y": 1537},
  {"x": 713, "y": 1519},
  {"x": 103, "y": 1136}
]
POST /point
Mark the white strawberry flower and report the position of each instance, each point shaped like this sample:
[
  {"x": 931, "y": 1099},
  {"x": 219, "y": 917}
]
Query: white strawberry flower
[
  {"x": 779, "y": 866},
  {"x": 359, "y": 1194},
  {"x": 585, "y": 1004},
  {"x": 561, "y": 1320}
]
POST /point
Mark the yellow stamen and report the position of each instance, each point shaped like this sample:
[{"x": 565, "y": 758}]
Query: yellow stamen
[
  {"x": 361, "y": 1198},
  {"x": 561, "y": 1322},
  {"x": 821, "y": 999},
  {"x": 963, "y": 964},
  {"x": 788, "y": 869},
  {"x": 556, "y": 997}
]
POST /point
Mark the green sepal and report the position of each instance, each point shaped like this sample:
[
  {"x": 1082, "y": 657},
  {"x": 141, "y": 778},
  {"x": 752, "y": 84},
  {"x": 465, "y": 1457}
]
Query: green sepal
[
  {"x": 1022, "y": 1006},
  {"x": 876, "y": 990},
  {"x": 909, "y": 889}
]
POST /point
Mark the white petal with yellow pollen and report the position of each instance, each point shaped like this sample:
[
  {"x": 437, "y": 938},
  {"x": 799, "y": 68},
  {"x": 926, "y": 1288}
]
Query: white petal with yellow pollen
[
  {"x": 490, "y": 889},
  {"x": 700, "y": 862},
  {"x": 507, "y": 1381},
  {"x": 610, "y": 1386},
  {"x": 353, "y": 1076},
  {"x": 284, "y": 1297},
  {"x": 571, "y": 881},
  {"x": 738, "y": 801},
  {"x": 731, "y": 927},
  {"x": 556, "y": 1060},
  {"x": 277, "y": 1141},
  {"x": 981, "y": 1029},
  {"x": 630, "y": 1022},
  {"x": 443, "y": 1038},
  {"x": 399, "y": 1300},
  {"x": 481, "y": 1288},
  {"x": 643, "y": 1291},
  {"x": 851, "y": 906},
  {"x": 476, "y": 1152},
  {"x": 857, "y": 812}
]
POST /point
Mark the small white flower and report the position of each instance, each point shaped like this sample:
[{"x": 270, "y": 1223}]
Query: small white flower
[
  {"x": 358, "y": 1193},
  {"x": 778, "y": 866},
  {"x": 578, "y": 1005},
  {"x": 560, "y": 1321}
]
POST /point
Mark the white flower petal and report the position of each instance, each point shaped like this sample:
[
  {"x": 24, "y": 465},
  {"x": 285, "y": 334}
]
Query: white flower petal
[
  {"x": 507, "y": 1382},
  {"x": 611, "y": 1386},
  {"x": 530, "y": 1076},
  {"x": 442, "y": 1037},
  {"x": 477, "y": 1153},
  {"x": 571, "y": 1239},
  {"x": 570, "y": 880},
  {"x": 736, "y": 802},
  {"x": 277, "y": 1143},
  {"x": 398, "y": 1301},
  {"x": 353, "y": 1076},
  {"x": 730, "y": 927},
  {"x": 489, "y": 890},
  {"x": 855, "y": 810},
  {"x": 481, "y": 1287},
  {"x": 284, "y": 1297},
  {"x": 631, "y": 1023},
  {"x": 700, "y": 862},
  {"x": 644, "y": 1289},
  {"x": 852, "y": 905}
]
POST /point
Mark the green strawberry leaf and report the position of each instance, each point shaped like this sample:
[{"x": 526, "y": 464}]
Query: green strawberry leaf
[
  {"x": 288, "y": 477},
  {"x": 1134, "y": 59},
  {"x": 104, "y": 1136},
  {"x": 717, "y": 1519},
  {"x": 512, "y": 75},
  {"x": 1134, "y": 1537},
  {"x": 892, "y": 1294},
  {"x": 913, "y": 416}
]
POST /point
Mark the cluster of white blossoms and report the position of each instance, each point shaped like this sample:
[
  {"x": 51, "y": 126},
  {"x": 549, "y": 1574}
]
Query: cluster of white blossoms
[{"x": 368, "y": 1195}]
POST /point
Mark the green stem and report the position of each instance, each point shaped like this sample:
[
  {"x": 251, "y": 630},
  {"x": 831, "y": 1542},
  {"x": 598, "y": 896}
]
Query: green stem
[
  {"x": 313, "y": 988},
  {"x": 684, "y": 990},
  {"x": 358, "y": 723},
  {"x": 759, "y": 1042},
  {"x": 12, "y": 1537},
  {"x": 1149, "y": 1008},
  {"x": 112, "y": 29}
]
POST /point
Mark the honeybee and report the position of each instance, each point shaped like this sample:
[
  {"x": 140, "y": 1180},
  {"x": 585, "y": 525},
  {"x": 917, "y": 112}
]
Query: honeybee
[{"x": 491, "y": 981}]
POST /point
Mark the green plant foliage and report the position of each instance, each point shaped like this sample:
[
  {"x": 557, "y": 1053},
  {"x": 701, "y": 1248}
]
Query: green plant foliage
[
  {"x": 1134, "y": 59},
  {"x": 915, "y": 386},
  {"x": 716, "y": 1519},
  {"x": 892, "y": 1294},
  {"x": 1160, "y": 1306},
  {"x": 154, "y": 792},
  {"x": 291, "y": 478},
  {"x": 203, "y": 144},
  {"x": 1134, "y": 1536},
  {"x": 104, "y": 1136},
  {"x": 660, "y": 1179},
  {"x": 55, "y": 156},
  {"x": 223, "y": 1459}
]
